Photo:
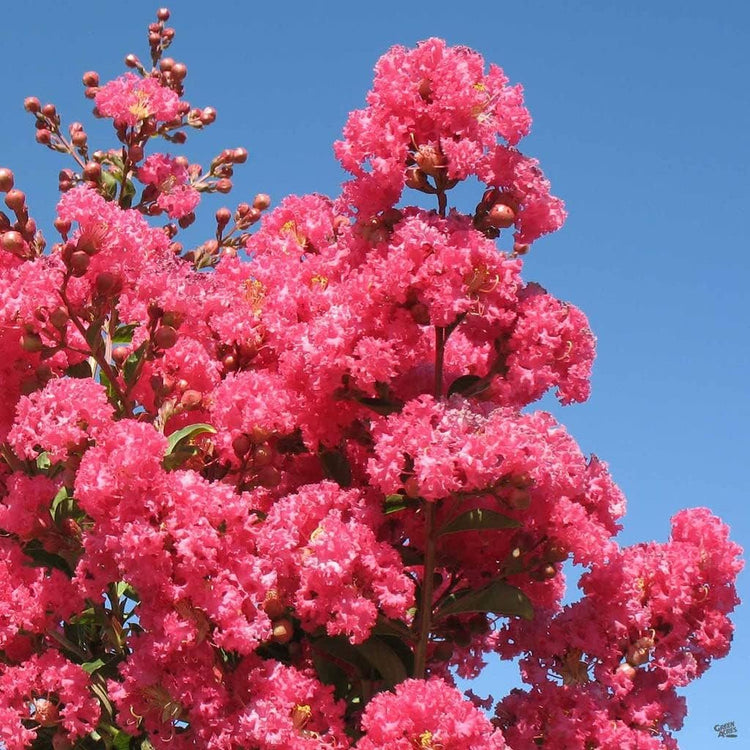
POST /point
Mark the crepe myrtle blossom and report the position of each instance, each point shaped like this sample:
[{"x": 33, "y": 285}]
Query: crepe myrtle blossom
[{"x": 277, "y": 489}]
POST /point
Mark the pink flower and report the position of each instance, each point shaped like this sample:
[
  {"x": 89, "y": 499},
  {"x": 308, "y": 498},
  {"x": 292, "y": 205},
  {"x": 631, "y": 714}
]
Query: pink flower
[
  {"x": 131, "y": 99},
  {"x": 60, "y": 418},
  {"x": 171, "y": 179},
  {"x": 426, "y": 714}
]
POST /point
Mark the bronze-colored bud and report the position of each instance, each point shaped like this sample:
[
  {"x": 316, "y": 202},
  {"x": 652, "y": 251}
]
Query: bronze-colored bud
[
  {"x": 90, "y": 78},
  {"x": 15, "y": 200},
  {"x": 165, "y": 337},
  {"x": 6, "y": 180},
  {"x": 32, "y": 104},
  {"x": 261, "y": 201}
]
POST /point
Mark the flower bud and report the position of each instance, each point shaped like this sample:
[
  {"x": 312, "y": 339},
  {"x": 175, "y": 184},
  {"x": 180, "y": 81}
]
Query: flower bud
[
  {"x": 239, "y": 155},
  {"x": 223, "y": 185},
  {"x": 163, "y": 14},
  {"x": 501, "y": 216},
  {"x": 269, "y": 477},
  {"x": 32, "y": 104},
  {"x": 223, "y": 217},
  {"x": 15, "y": 200},
  {"x": 261, "y": 201},
  {"x": 165, "y": 337},
  {"x": 43, "y": 136},
  {"x": 208, "y": 115},
  {"x": 179, "y": 71},
  {"x": 132, "y": 61},
  {"x": 6, "y": 180},
  {"x": 59, "y": 317},
  {"x": 92, "y": 172},
  {"x": 120, "y": 354},
  {"x": 90, "y": 78},
  {"x": 166, "y": 64},
  {"x": 108, "y": 283},
  {"x": 241, "y": 445},
  {"x": 191, "y": 399},
  {"x": 272, "y": 605},
  {"x": 13, "y": 242},
  {"x": 49, "y": 111},
  {"x": 79, "y": 263}
]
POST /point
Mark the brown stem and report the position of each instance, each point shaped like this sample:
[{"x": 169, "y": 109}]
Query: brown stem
[
  {"x": 425, "y": 604},
  {"x": 442, "y": 202},
  {"x": 100, "y": 360}
]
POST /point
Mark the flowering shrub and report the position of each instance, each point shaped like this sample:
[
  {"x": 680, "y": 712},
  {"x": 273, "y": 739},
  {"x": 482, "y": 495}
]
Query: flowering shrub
[{"x": 279, "y": 489}]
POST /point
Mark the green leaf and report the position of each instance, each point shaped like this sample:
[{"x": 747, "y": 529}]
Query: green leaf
[
  {"x": 186, "y": 433},
  {"x": 336, "y": 467},
  {"x": 384, "y": 659},
  {"x": 42, "y": 461},
  {"x": 479, "y": 519},
  {"x": 91, "y": 666},
  {"x": 382, "y": 406},
  {"x": 498, "y": 597},
  {"x": 62, "y": 494},
  {"x": 468, "y": 385},
  {"x": 130, "y": 367},
  {"x": 45, "y": 559},
  {"x": 79, "y": 370},
  {"x": 124, "y": 333},
  {"x": 109, "y": 184},
  {"x": 395, "y": 503},
  {"x": 121, "y": 741}
]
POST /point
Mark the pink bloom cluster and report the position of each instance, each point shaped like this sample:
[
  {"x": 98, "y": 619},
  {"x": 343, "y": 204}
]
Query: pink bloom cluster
[
  {"x": 170, "y": 178},
  {"x": 130, "y": 99},
  {"x": 282, "y": 503}
]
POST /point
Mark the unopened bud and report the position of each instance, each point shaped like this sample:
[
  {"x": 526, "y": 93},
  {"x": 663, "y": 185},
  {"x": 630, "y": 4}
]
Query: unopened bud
[
  {"x": 59, "y": 317},
  {"x": 208, "y": 115},
  {"x": 120, "y": 354},
  {"x": 6, "y": 180},
  {"x": 13, "y": 242},
  {"x": 179, "y": 71},
  {"x": 32, "y": 104},
  {"x": 165, "y": 337},
  {"x": 163, "y": 14},
  {"x": 49, "y": 111},
  {"x": 223, "y": 217},
  {"x": 132, "y": 61},
  {"x": 272, "y": 605},
  {"x": 92, "y": 172},
  {"x": 15, "y": 200},
  {"x": 43, "y": 136},
  {"x": 191, "y": 399},
  {"x": 108, "y": 283},
  {"x": 501, "y": 216},
  {"x": 223, "y": 185},
  {"x": 241, "y": 445},
  {"x": 261, "y": 201},
  {"x": 79, "y": 263},
  {"x": 239, "y": 155},
  {"x": 90, "y": 78}
]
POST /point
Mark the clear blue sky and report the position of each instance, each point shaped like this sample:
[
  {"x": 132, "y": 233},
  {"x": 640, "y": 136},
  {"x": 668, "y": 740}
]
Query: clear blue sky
[{"x": 642, "y": 122}]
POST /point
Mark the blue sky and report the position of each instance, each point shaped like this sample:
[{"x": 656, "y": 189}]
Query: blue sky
[{"x": 641, "y": 121}]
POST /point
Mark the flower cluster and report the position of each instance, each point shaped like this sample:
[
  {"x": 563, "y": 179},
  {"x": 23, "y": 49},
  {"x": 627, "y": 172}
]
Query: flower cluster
[{"x": 277, "y": 489}]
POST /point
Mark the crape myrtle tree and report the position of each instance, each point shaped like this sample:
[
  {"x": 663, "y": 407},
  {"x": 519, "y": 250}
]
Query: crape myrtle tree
[{"x": 278, "y": 489}]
